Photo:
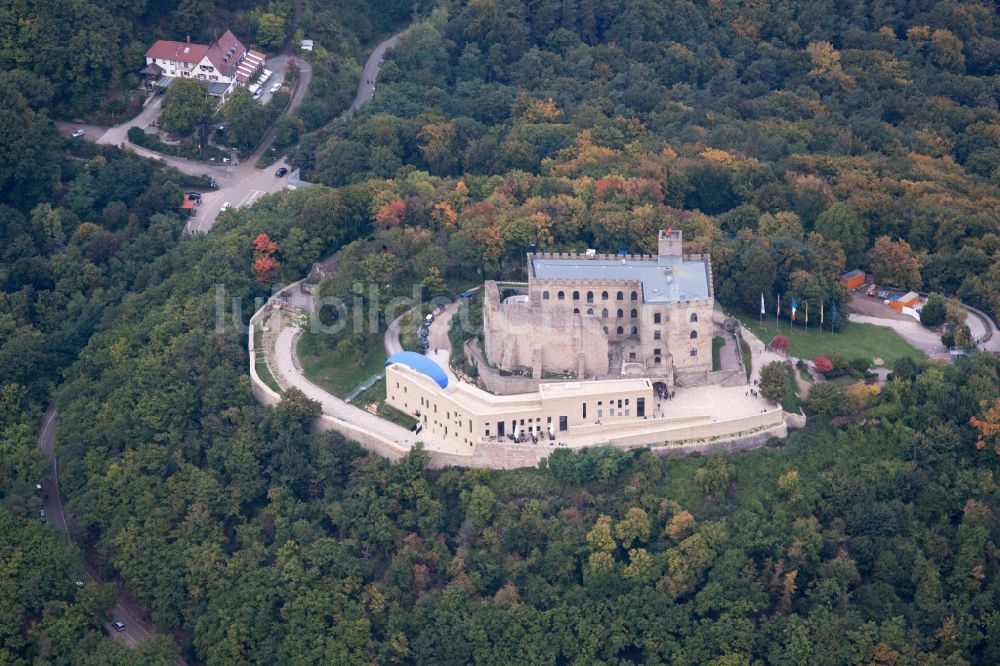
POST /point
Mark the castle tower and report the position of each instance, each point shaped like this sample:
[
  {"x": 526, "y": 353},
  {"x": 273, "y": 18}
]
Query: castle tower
[{"x": 670, "y": 242}]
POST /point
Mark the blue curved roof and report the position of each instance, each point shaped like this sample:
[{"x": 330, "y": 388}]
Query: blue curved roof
[{"x": 421, "y": 363}]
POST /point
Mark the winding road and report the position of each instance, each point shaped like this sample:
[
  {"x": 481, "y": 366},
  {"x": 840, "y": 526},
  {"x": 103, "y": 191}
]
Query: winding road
[{"x": 124, "y": 610}]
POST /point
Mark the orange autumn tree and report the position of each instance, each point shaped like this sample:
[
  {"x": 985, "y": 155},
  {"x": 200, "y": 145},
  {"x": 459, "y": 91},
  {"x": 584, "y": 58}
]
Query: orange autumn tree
[
  {"x": 988, "y": 426},
  {"x": 265, "y": 265}
]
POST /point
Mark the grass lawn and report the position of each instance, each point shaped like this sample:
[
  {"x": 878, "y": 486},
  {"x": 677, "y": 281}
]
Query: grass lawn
[
  {"x": 717, "y": 345},
  {"x": 855, "y": 340},
  {"x": 338, "y": 377},
  {"x": 791, "y": 403}
]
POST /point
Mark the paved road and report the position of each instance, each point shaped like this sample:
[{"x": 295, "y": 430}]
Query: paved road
[
  {"x": 287, "y": 374},
  {"x": 391, "y": 337},
  {"x": 366, "y": 85},
  {"x": 124, "y": 610},
  {"x": 280, "y": 65}
]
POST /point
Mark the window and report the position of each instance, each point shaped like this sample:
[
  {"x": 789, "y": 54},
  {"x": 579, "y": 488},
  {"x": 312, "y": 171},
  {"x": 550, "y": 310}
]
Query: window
[
  {"x": 635, "y": 330},
  {"x": 619, "y": 404},
  {"x": 561, "y": 295},
  {"x": 656, "y": 335},
  {"x": 620, "y": 296},
  {"x": 694, "y": 316},
  {"x": 656, "y": 352},
  {"x": 563, "y": 425},
  {"x": 694, "y": 335},
  {"x": 584, "y": 410},
  {"x": 694, "y": 351},
  {"x": 590, "y": 297},
  {"x": 621, "y": 313},
  {"x": 600, "y": 413},
  {"x": 604, "y": 295},
  {"x": 604, "y": 313},
  {"x": 545, "y": 295},
  {"x": 590, "y": 311},
  {"x": 620, "y": 331},
  {"x": 576, "y": 295},
  {"x": 635, "y": 296},
  {"x": 656, "y": 317},
  {"x": 634, "y": 314},
  {"x": 576, "y": 310},
  {"x": 631, "y": 356},
  {"x": 626, "y": 402},
  {"x": 605, "y": 330},
  {"x": 640, "y": 407},
  {"x": 611, "y": 410}
]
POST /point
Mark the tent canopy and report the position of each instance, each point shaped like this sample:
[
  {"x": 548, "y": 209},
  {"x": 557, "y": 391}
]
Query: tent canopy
[{"x": 422, "y": 364}]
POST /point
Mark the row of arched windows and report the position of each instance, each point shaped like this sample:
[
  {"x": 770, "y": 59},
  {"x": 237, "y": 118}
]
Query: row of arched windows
[{"x": 590, "y": 296}]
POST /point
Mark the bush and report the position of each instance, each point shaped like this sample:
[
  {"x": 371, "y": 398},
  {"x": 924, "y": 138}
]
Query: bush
[
  {"x": 860, "y": 365},
  {"x": 136, "y": 135},
  {"x": 780, "y": 342},
  {"x": 823, "y": 364},
  {"x": 826, "y": 399}
]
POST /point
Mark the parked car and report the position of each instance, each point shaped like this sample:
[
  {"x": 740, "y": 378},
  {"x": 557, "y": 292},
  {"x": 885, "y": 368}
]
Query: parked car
[
  {"x": 259, "y": 93},
  {"x": 77, "y": 133},
  {"x": 118, "y": 625},
  {"x": 281, "y": 172},
  {"x": 41, "y": 516},
  {"x": 226, "y": 206},
  {"x": 194, "y": 195},
  {"x": 871, "y": 291},
  {"x": 275, "y": 87}
]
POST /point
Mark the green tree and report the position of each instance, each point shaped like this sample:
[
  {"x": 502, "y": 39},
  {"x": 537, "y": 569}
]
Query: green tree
[
  {"x": 934, "y": 311},
  {"x": 270, "y": 30},
  {"x": 185, "y": 105},
  {"x": 841, "y": 223},
  {"x": 247, "y": 120},
  {"x": 774, "y": 381},
  {"x": 826, "y": 399}
]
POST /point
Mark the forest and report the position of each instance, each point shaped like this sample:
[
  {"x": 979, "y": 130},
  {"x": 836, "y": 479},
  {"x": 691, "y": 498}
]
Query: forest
[{"x": 791, "y": 140}]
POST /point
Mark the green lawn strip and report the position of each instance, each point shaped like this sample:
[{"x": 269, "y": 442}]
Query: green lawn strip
[
  {"x": 717, "y": 345},
  {"x": 791, "y": 403},
  {"x": 337, "y": 376},
  {"x": 854, "y": 340},
  {"x": 262, "y": 370}
]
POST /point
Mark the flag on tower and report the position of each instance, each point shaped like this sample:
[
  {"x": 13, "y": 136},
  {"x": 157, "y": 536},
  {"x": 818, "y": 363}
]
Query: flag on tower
[
  {"x": 833, "y": 314},
  {"x": 794, "y": 308},
  {"x": 821, "y": 314},
  {"x": 807, "y": 313},
  {"x": 762, "y": 312},
  {"x": 778, "y": 313}
]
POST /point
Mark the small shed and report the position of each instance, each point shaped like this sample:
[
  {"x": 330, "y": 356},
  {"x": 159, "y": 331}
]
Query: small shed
[
  {"x": 853, "y": 279},
  {"x": 306, "y": 45},
  {"x": 908, "y": 300},
  {"x": 188, "y": 205}
]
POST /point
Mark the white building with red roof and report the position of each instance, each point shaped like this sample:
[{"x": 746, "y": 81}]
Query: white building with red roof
[{"x": 222, "y": 65}]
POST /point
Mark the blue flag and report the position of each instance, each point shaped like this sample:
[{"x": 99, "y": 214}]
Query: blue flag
[
  {"x": 795, "y": 306},
  {"x": 833, "y": 314}
]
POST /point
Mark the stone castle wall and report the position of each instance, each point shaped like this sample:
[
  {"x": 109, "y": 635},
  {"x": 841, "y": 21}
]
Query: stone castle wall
[{"x": 520, "y": 335}]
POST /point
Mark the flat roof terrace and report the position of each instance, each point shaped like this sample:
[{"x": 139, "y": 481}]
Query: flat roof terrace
[{"x": 665, "y": 279}]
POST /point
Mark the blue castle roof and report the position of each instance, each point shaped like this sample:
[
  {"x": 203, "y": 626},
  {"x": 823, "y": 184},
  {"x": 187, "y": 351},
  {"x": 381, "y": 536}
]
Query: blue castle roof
[{"x": 421, "y": 363}]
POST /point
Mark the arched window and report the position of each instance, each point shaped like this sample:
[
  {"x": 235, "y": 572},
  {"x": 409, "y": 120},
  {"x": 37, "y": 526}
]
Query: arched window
[
  {"x": 620, "y": 296},
  {"x": 621, "y": 331},
  {"x": 635, "y": 296},
  {"x": 694, "y": 334},
  {"x": 576, "y": 310},
  {"x": 621, "y": 313},
  {"x": 561, "y": 296},
  {"x": 590, "y": 297},
  {"x": 576, "y": 295},
  {"x": 635, "y": 331},
  {"x": 605, "y": 330},
  {"x": 604, "y": 295},
  {"x": 545, "y": 295},
  {"x": 694, "y": 316},
  {"x": 604, "y": 313},
  {"x": 634, "y": 314},
  {"x": 590, "y": 311}
]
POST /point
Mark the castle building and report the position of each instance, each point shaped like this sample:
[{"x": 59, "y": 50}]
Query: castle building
[{"x": 600, "y": 316}]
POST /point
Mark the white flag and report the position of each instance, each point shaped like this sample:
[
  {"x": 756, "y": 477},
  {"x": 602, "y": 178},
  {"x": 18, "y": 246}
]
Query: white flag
[{"x": 762, "y": 311}]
